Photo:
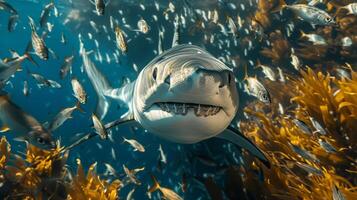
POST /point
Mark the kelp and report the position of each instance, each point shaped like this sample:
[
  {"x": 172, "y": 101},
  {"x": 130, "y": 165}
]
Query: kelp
[
  {"x": 302, "y": 167},
  {"x": 43, "y": 175}
]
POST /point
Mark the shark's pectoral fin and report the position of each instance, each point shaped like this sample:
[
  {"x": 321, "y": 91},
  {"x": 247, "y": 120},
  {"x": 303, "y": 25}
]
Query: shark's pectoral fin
[
  {"x": 235, "y": 136},
  {"x": 125, "y": 119}
]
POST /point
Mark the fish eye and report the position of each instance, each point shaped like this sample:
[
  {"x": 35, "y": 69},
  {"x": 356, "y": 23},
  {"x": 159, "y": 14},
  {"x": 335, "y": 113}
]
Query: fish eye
[
  {"x": 328, "y": 19},
  {"x": 154, "y": 74},
  {"x": 40, "y": 140}
]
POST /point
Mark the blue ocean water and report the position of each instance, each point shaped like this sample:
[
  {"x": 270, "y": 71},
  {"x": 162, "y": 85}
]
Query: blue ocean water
[{"x": 45, "y": 103}]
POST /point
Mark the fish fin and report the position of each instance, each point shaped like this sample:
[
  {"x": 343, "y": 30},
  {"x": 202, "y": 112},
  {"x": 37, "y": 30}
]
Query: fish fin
[
  {"x": 281, "y": 5},
  {"x": 99, "y": 83},
  {"x": 4, "y": 128},
  {"x": 28, "y": 54},
  {"x": 155, "y": 186},
  {"x": 78, "y": 107},
  {"x": 303, "y": 34},
  {"x": 124, "y": 120},
  {"x": 235, "y": 136}
]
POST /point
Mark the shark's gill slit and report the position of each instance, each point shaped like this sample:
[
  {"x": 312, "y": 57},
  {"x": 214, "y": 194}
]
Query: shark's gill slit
[{"x": 154, "y": 74}]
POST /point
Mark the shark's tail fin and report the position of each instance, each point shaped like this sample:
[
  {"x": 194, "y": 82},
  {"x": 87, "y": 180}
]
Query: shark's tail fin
[
  {"x": 103, "y": 88},
  {"x": 99, "y": 83}
]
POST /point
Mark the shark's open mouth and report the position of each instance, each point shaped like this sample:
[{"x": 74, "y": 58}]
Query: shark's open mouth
[{"x": 184, "y": 108}]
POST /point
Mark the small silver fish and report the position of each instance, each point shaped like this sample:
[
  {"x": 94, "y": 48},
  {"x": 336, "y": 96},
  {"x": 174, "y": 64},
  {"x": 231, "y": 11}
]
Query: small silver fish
[
  {"x": 45, "y": 14},
  {"x": 162, "y": 155},
  {"x": 43, "y": 82},
  {"x": 11, "y": 25},
  {"x": 10, "y": 68},
  {"x": 302, "y": 126},
  {"x": 268, "y": 72},
  {"x": 38, "y": 43},
  {"x": 66, "y": 66},
  {"x": 143, "y": 26},
  {"x": 6, "y": 6},
  {"x": 131, "y": 176},
  {"x": 63, "y": 38},
  {"x": 166, "y": 192},
  {"x": 256, "y": 89},
  {"x": 130, "y": 194},
  {"x": 26, "y": 90},
  {"x": 135, "y": 144},
  {"x": 311, "y": 14},
  {"x": 120, "y": 40},
  {"x": 99, "y": 127},
  {"x": 327, "y": 146},
  {"x": 314, "y": 38},
  {"x": 232, "y": 26},
  {"x": 78, "y": 91},
  {"x": 317, "y": 126},
  {"x": 309, "y": 169},
  {"x": 62, "y": 117},
  {"x": 177, "y": 37},
  {"x": 337, "y": 194},
  {"x": 99, "y": 7}
]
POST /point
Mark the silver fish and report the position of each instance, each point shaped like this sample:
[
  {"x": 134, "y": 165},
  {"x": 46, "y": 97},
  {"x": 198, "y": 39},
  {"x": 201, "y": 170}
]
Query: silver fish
[
  {"x": 26, "y": 90},
  {"x": 11, "y": 25},
  {"x": 310, "y": 14},
  {"x": 66, "y": 66},
  {"x": 78, "y": 91},
  {"x": 62, "y": 117},
  {"x": 257, "y": 89},
  {"x": 337, "y": 194},
  {"x": 317, "y": 126},
  {"x": 45, "y": 14},
  {"x": 99, "y": 127},
  {"x": 6, "y": 6},
  {"x": 38, "y": 43},
  {"x": 131, "y": 176},
  {"x": 23, "y": 125},
  {"x": 99, "y": 7},
  {"x": 120, "y": 40},
  {"x": 143, "y": 26},
  {"x": 9, "y": 69},
  {"x": 314, "y": 38},
  {"x": 135, "y": 144}
]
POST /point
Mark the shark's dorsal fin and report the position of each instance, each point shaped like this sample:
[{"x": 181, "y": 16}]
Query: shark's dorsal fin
[{"x": 235, "y": 136}]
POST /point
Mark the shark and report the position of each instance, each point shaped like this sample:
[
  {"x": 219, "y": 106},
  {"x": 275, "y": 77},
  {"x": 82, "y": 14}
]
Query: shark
[{"x": 184, "y": 95}]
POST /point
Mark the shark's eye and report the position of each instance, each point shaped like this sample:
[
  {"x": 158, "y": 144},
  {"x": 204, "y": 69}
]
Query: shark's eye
[{"x": 154, "y": 73}]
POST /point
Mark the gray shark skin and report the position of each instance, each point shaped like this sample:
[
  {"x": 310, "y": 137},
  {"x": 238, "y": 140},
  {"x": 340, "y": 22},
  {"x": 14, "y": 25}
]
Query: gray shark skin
[{"x": 184, "y": 95}]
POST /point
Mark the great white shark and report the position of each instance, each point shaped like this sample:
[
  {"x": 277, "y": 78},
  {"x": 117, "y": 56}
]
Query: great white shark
[{"x": 184, "y": 95}]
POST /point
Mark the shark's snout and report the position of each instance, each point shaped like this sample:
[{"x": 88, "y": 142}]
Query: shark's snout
[{"x": 200, "y": 82}]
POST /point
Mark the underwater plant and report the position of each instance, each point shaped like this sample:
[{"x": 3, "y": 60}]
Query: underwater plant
[
  {"x": 312, "y": 145},
  {"x": 43, "y": 175}
]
